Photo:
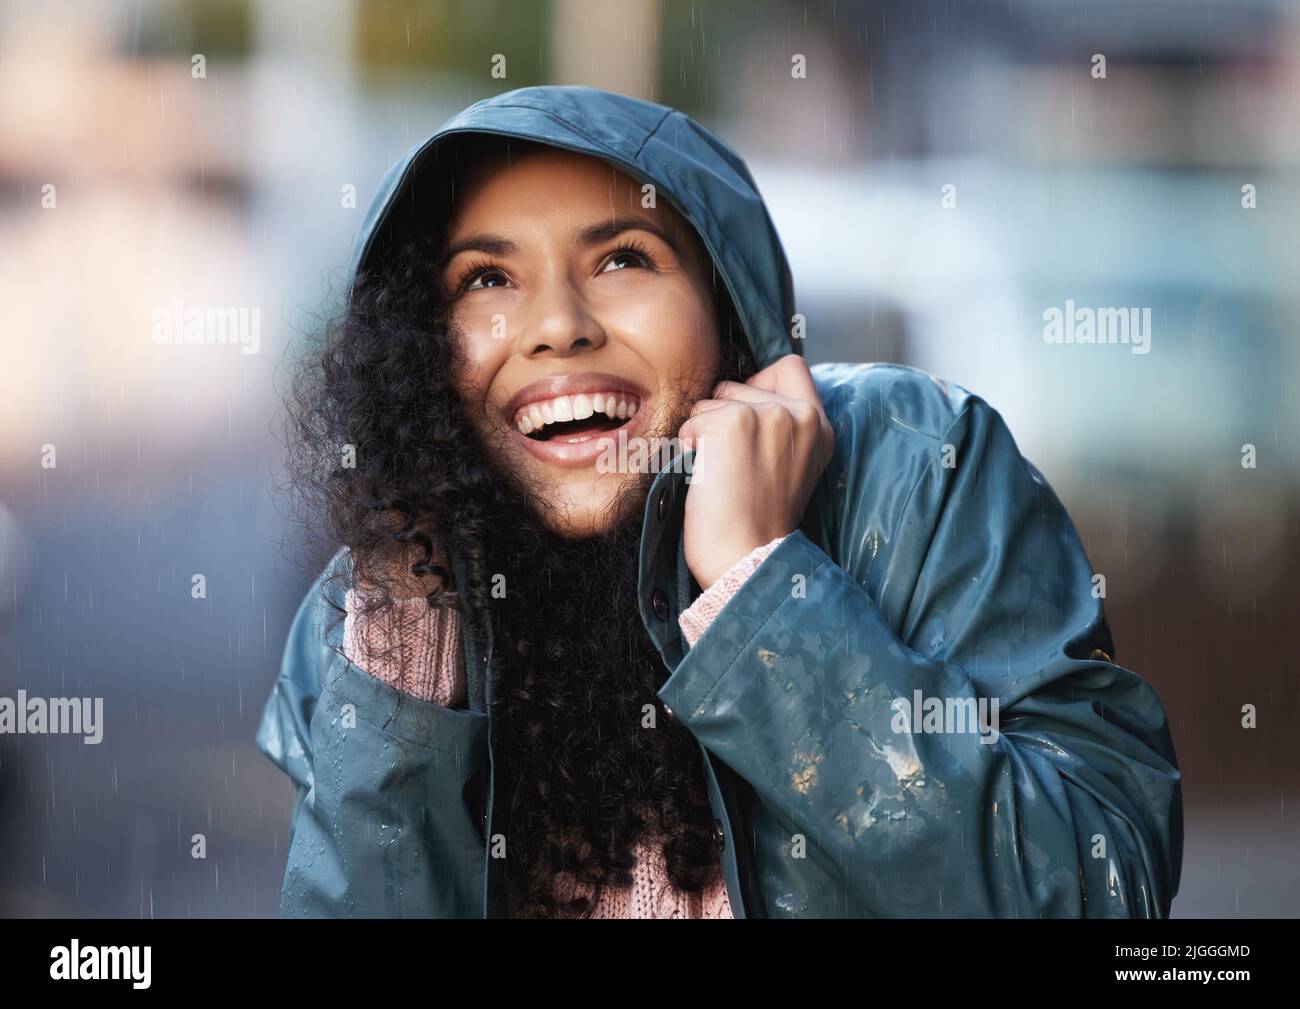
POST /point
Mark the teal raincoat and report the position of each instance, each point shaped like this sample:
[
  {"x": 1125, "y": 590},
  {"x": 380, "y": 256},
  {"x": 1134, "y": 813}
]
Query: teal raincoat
[{"x": 910, "y": 709}]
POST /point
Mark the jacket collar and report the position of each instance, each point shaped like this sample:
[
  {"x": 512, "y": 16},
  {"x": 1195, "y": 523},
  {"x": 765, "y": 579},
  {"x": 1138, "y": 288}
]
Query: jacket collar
[{"x": 665, "y": 584}]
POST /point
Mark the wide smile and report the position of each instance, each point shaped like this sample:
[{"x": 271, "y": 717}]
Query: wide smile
[{"x": 573, "y": 430}]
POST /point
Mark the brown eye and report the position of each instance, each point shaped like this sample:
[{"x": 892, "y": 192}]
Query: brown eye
[
  {"x": 622, "y": 259},
  {"x": 485, "y": 278}
]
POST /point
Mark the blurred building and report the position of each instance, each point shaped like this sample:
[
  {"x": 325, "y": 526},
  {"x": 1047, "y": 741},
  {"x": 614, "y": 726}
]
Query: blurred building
[{"x": 942, "y": 177}]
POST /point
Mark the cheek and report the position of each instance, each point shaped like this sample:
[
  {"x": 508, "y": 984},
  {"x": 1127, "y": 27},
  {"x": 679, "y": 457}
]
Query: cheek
[
  {"x": 482, "y": 351},
  {"x": 481, "y": 333},
  {"x": 668, "y": 331}
]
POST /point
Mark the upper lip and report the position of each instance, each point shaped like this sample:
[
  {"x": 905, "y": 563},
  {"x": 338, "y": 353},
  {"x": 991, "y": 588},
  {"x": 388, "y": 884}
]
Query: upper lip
[{"x": 570, "y": 385}]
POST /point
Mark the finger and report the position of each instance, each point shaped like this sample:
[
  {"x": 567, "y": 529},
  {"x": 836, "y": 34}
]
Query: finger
[
  {"x": 706, "y": 421},
  {"x": 744, "y": 393},
  {"x": 805, "y": 412},
  {"x": 789, "y": 376},
  {"x": 710, "y": 405},
  {"x": 801, "y": 409},
  {"x": 697, "y": 423},
  {"x": 688, "y": 435}
]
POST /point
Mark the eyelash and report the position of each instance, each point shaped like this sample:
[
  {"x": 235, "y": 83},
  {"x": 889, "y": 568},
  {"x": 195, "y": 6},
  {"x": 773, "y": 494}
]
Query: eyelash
[
  {"x": 636, "y": 248},
  {"x": 631, "y": 246}
]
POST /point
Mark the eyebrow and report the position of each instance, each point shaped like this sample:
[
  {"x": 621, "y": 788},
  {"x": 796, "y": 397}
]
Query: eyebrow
[
  {"x": 492, "y": 245},
  {"x": 592, "y": 234},
  {"x": 595, "y": 234}
]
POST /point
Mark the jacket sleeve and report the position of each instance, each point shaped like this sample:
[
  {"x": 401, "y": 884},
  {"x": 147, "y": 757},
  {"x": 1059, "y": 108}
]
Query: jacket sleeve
[
  {"x": 808, "y": 691},
  {"x": 386, "y": 819}
]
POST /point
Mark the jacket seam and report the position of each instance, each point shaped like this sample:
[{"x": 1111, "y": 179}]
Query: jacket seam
[
  {"x": 875, "y": 404},
  {"x": 549, "y": 114},
  {"x": 646, "y": 139},
  {"x": 920, "y": 477}
]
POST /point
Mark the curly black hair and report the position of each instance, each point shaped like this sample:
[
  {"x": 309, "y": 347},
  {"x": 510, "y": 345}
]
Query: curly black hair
[{"x": 386, "y": 462}]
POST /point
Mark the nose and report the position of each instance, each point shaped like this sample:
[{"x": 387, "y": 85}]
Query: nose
[{"x": 561, "y": 324}]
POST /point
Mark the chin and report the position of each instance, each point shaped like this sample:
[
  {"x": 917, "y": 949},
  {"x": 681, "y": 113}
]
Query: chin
[
  {"x": 592, "y": 507},
  {"x": 574, "y": 501}
]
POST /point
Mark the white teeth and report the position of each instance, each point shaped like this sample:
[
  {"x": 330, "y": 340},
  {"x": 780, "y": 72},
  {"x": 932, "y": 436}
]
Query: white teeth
[{"x": 535, "y": 416}]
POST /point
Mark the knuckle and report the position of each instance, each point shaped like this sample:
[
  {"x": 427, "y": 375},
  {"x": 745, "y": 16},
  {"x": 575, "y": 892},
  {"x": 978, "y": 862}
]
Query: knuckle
[{"x": 779, "y": 415}]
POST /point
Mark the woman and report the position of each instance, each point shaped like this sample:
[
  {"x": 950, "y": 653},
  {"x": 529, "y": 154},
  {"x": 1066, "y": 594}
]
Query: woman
[{"x": 833, "y": 652}]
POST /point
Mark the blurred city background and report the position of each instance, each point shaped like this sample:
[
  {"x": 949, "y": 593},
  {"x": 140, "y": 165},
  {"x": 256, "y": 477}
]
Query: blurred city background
[{"x": 943, "y": 175}]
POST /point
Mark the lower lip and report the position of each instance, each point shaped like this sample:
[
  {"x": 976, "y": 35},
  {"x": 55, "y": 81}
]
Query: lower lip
[{"x": 579, "y": 453}]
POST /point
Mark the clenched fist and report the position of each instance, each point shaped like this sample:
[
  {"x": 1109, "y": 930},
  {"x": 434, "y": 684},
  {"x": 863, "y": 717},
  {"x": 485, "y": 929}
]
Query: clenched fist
[{"x": 759, "y": 448}]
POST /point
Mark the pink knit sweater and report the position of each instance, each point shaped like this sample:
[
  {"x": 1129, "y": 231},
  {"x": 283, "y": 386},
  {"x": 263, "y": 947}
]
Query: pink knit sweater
[{"x": 417, "y": 650}]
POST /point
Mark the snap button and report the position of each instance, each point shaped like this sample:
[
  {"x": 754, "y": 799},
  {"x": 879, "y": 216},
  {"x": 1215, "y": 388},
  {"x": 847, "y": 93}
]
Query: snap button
[
  {"x": 668, "y": 711},
  {"x": 719, "y": 836},
  {"x": 663, "y": 504},
  {"x": 659, "y": 602}
]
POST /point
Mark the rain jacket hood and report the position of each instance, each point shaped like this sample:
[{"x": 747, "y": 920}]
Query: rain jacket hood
[
  {"x": 703, "y": 178},
  {"x": 933, "y": 575}
]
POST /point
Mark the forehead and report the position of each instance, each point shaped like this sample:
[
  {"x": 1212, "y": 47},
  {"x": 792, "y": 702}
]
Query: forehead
[{"x": 546, "y": 187}]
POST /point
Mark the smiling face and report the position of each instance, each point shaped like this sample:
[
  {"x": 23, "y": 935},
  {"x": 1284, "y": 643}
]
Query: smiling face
[{"x": 582, "y": 316}]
